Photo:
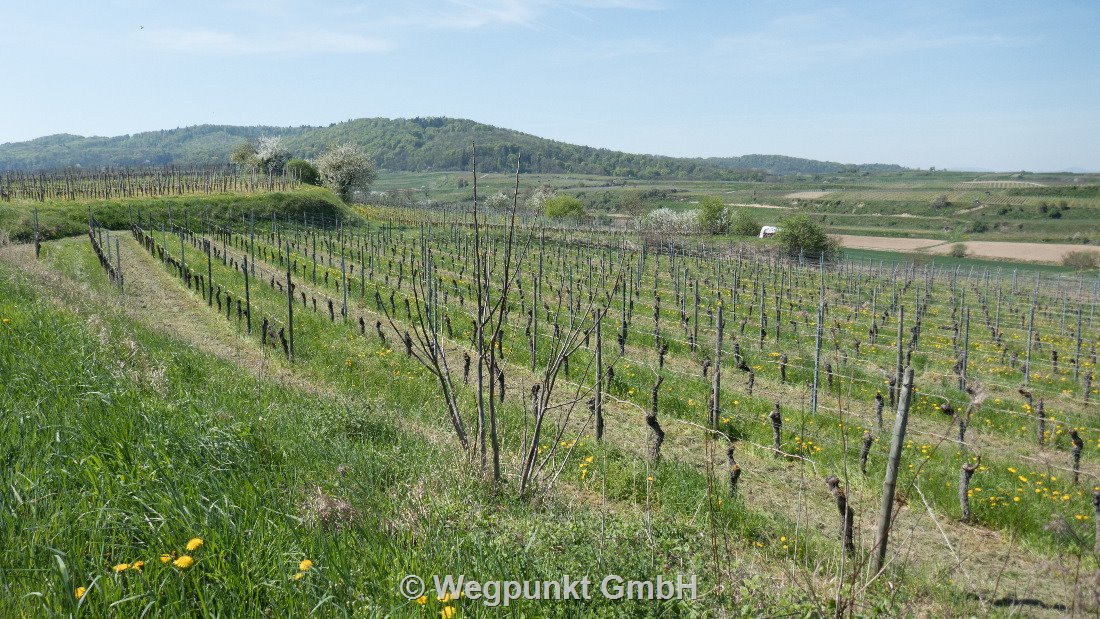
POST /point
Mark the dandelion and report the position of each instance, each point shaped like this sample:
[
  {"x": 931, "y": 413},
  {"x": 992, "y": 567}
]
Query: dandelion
[
  {"x": 298, "y": 576},
  {"x": 422, "y": 600},
  {"x": 79, "y": 593},
  {"x": 122, "y": 567},
  {"x": 194, "y": 543},
  {"x": 137, "y": 565},
  {"x": 447, "y": 612},
  {"x": 165, "y": 558},
  {"x": 184, "y": 562}
]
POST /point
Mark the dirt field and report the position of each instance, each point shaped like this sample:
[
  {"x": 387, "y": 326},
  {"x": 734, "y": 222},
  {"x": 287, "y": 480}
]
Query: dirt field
[
  {"x": 885, "y": 243},
  {"x": 807, "y": 195},
  {"x": 1027, "y": 252},
  {"x": 1000, "y": 250}
]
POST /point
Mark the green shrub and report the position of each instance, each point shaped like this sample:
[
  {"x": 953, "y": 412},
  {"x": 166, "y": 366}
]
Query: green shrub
[
  {"x": 744, "y": 223},
  {"x": 799, "y": 235},
  {"x": 713, "y": 215},
  {"x": 565, "y": 207},
  {"x": 1081, "y": 259},
  {"x": 958, "y": 250},
  {"x": 305, "y": 170}
]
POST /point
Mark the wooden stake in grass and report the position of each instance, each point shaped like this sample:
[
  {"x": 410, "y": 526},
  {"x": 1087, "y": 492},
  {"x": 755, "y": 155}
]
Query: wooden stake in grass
[
  {"x": 247, "y": 298},
  {"x": 289, "y": 307},
  {"x": 716, "y": 383},
  {"x": 735, "y": 470},
  {"x": 1078, "y": 444},
  {"x": 889, "y": 484},
  {"x": 965, "y": 473},
  {"x": 864, "y": 451},
  {"x": 37, "y": 238},
  {"x": 598, "y": 400},
  {"x": 657, "y": 435},
  {"x": 1040, "y": 412},
  {"x": 777, "y": 430},
  {"x": 847, "y": 514}
]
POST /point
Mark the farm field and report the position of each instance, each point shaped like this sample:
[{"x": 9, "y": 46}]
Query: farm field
[
  {"x": 946, "y": 206},
  {"x": 624, "y": 408}
]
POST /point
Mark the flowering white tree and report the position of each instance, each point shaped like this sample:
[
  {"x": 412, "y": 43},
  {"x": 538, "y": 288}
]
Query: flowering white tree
[
  {"x": 668, "y": 221},
  {"x": 346, "y": 168},
  {"x": 538, "y": 198},
  {"x": 271, "y": 154}
]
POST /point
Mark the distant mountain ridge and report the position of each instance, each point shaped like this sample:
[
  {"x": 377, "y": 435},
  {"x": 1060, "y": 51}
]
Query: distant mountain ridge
[{"x": 414, "y": 144}]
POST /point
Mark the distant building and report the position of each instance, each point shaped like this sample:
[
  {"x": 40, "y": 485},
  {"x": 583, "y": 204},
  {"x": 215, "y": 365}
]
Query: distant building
[{"x": 768, "y": 232}]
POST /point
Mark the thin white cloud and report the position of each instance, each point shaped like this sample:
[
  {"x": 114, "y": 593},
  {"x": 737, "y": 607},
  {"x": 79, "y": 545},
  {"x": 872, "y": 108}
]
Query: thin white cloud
[
  {"x": 809, "y": 40},
  {"x": 471, "y": 14},
  {"x": 200, "y": 41}
]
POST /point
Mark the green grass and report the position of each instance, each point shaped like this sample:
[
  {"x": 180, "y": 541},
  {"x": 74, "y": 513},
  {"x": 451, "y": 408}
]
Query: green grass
[
  {"x": 123, "y": 443},
  {"x": 63, "y": 218}
]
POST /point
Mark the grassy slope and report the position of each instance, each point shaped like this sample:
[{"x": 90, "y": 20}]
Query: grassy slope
[
  {"x": 127, "y": 442},
  {"x": 65, "y": 218}
]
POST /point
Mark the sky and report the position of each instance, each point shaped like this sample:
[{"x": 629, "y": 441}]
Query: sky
[{"x": 993, "y": 85}]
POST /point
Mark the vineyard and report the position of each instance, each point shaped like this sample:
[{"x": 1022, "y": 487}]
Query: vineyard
[
  {"x": 861, "y": 424},
  {"x": 78, "y": 184}
]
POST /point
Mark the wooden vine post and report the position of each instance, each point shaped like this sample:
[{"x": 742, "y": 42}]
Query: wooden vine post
[
  {"x": 289, "y": 305},
  {"x": 889, "y": 484},
  {"x": 37, "y": 238},
  {"x": 598, "y": 406}
]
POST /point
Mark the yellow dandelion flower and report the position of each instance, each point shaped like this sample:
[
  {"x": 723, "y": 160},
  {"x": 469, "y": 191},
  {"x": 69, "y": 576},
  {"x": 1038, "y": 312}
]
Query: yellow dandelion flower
[
  {"x": 305, "y": 565},
  {"x": 165, "y": 558},
  {"x": 194, "y": 543},
  {"x": 137, "y": 565},
  {"x": 1015, "y": 499},
  {"x": 298, "y": 576},
  {"x": 422, "y": 600},
  {"x": 122, "y": 567},
  {"x": 79, "y": 593},
  {"x": 184, "y": 562},
  {"x": 447, "y": 612}
]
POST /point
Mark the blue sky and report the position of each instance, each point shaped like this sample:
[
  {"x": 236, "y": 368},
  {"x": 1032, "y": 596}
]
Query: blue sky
[{"x": 997, "y": 85}]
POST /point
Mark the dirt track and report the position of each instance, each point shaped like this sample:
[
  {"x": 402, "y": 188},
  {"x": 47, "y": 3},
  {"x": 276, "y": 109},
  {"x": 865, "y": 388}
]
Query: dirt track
[
  {"x": 1000, "y": 250},
  {"x": 885, "y": 243}
]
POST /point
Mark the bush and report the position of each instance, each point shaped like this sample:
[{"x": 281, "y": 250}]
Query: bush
[
  {"x": 1081, "y": 259},
  {"x": 744, "y": 223},
  {"x": 977, "y": 226},
  {"x": 667, "y": 221},
  {"x": 305, "y": 171},
  {"x": 799, "y": 235},
  {"x": 958, "y": 250},
  {"x": 565, "y": 207},
  {"x": 714, "y": 217}
]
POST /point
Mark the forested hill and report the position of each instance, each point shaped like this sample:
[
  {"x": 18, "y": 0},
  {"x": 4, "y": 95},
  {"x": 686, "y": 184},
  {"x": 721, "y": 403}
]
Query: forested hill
[{"x": 417, "y": 144}]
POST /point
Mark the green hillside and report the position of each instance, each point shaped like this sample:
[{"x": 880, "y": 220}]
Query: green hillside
[{"x": 416, "y": 145}]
